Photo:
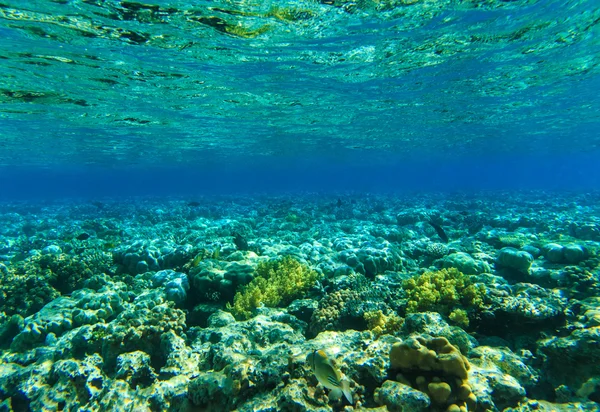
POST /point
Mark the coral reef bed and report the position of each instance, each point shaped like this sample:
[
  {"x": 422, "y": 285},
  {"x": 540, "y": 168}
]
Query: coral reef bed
[{"x": 419, "y": 303}]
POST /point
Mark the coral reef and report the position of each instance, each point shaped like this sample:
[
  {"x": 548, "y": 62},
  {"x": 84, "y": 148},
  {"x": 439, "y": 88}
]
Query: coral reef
[
  {"x": 446, "y": 291},
  {"x": 122, "y": 304},
  {"x": 277, "y": 282},
  {"x": 380, "y": 323},
  {"x": 435, "y": 367}
]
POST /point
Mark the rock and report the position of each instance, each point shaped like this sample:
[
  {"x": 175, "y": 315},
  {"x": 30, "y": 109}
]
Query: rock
[
  {"x": 512, "y": 258},
  {"x": 465, "y": 263},
  {"x": 52, "y": 250},
  {"x": 220, "y": 319},
  {"x": 135, "y": 368},
  {"x": 574, "y": 253},
  {"x": 303, "y": 309},
  {"x": 175, "y": 284},
  {"x": 398, "y": 397},
  {"x": 553, "y": 252}
]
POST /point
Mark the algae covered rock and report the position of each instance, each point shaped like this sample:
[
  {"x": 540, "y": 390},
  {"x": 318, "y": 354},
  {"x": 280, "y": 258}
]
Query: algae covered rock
[
  {"x": 572, "y": 253},
  {"x": 55, "y": 317},
  {"x": 241, "y": 359},
  {"x": 213, "y": 281},
  {"x": 83, "y": 307},
  {"x": 512, "y": 258},
  {"x": 522, "y": 307},
  {"x": 135, "y": 368},
  {"x": 500, "y": 377},
  {"x": 493, "y": 387},
  {"x": 465, "y": 263},
  {"x": 175, "y": 284},
  {"x": 572, "y": 359},
  {"x": 507, "y": 362},
  {"x": 74, "y": 382},
  {"x": 398, "y": 397},
  {"x": 140, "y": 326},
  {"x": 213, "y": 388}
]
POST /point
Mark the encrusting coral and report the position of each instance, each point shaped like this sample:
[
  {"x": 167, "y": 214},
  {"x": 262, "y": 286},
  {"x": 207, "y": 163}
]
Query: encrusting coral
[{"x": 277, "y": 282}]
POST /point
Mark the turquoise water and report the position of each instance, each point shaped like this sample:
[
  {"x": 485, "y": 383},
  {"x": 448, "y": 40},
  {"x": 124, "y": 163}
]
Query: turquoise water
[
  {"x": 250, "y": 205},
  {"x": 249, "y": 86}
]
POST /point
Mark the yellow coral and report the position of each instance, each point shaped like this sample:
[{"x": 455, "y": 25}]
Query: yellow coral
[
  {"x": 442, "y": 291},
  {"x": 436, "y": 367},
  {"x": 381, "y": 324},
  {"x": 460, "y": 317},
  {"x": 277, "y": 282}
]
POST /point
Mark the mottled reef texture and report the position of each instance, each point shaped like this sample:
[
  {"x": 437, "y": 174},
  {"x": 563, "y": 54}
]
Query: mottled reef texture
[{"x": 485, "y": 302}]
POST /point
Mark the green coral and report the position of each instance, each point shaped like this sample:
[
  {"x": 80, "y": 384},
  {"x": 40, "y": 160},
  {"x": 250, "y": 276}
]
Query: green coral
[
  {"x": 277, "y": 282},
  {"x": 460, "y": 317},
  {"x": 444, "y": 291},
  {"x": 381, "y": 324}
]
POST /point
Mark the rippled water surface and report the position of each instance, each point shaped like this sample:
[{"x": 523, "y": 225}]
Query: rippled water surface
[{"x": 178, "y": 82}]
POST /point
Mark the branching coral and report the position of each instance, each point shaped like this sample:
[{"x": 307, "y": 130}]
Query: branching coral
[
  {"x": 444, "y": 291},
  {"x": 381, "y": 324},
  {"x": 277, "y": 282}
]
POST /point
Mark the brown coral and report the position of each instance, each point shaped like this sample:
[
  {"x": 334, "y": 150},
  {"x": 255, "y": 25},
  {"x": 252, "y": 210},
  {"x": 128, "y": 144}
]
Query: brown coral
[
  {"x": 327, "y": 316},
  {"x": 434, "y": 366}
]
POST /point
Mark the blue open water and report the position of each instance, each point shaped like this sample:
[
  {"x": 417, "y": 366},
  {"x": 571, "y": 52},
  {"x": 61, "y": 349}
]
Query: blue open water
[{"x": 366, "y": 95}]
